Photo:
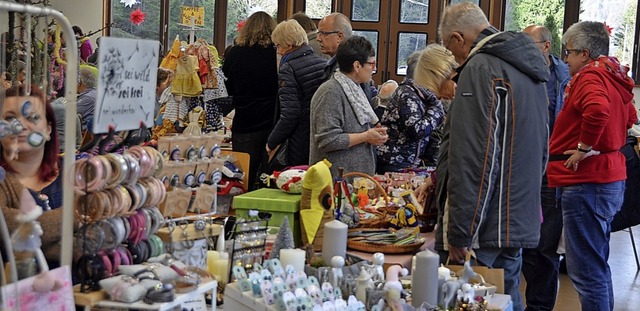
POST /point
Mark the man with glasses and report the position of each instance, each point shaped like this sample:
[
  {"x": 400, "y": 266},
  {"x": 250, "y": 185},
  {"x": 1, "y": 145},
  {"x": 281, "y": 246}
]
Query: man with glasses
[
  {"x": 540, "y": 265},
  {"x": 494, "y": 149},
  {"x": 585, "y": 161},
  {"x": 333, "y": 29}
]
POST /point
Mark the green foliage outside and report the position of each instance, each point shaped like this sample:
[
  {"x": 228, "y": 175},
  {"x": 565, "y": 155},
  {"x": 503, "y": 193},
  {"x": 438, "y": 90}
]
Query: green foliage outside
[{"x": 549, "y": 13}]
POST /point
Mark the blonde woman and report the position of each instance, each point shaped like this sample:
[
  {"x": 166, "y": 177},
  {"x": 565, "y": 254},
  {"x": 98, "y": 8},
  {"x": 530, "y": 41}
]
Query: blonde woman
[
  {"x": 299, "y": 77},
  {"x": 252, "y": 80},
  {"x": 414, "y": 110}
]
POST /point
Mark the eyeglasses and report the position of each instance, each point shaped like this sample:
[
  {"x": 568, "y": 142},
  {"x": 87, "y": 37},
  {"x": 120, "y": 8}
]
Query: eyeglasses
[
  {"x": 373, "y": 63},
  {"x": 543, "y": 41},
  {"x": 567, "y": 51},
  {"x": 326, "y": 33}
]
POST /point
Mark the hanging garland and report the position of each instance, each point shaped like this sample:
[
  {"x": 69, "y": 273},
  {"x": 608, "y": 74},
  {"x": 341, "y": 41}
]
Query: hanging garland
[{"x": 57, "y": 59}]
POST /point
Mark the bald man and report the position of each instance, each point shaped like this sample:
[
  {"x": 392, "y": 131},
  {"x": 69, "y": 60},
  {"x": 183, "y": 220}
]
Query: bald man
[
  {"x": 540, "y": 265},
  {"x": 333, "y": 29}
]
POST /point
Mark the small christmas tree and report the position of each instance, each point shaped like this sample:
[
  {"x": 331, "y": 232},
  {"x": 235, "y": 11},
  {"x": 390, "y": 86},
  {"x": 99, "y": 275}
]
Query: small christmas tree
[{"x": 284, "y": 240}]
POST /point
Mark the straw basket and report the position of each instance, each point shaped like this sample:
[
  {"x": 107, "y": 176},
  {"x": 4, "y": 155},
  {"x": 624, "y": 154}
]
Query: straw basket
[
  {"x": 384, "y": 248},
  {"x": 384, "y": 215}
]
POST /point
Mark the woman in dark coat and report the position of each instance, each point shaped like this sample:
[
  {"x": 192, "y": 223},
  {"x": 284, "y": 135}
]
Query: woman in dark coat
[
  {"x": 252, "y": 79},
  {"x": 300, "y": 76}
]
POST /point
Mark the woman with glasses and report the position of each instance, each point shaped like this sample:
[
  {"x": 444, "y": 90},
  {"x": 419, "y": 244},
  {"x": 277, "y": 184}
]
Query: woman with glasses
[
  {"x": 344, "y": 127},
  {"x": 299, "y": 77},
  {"x": 415, "y": 110},
  {"x": 252, "y": 80}
]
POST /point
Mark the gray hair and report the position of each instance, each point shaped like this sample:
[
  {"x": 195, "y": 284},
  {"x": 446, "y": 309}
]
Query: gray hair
[
  {"x": 590, "y": 36},
  {"x": 342, "y": 23},
  {"x": 412, "y": 60},
  {"x": 464, "y": 15},
  {"x": 87, "y": 77}
]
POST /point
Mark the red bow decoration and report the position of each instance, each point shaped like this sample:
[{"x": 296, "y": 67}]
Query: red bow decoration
[
  {"x": 137, "y": 17},
  {"x": 609, "y": 29},
  {"x": 240, "y": 25}
]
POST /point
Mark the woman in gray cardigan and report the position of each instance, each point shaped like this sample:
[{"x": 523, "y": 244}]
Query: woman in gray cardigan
[{"x": 343, "y": 124}]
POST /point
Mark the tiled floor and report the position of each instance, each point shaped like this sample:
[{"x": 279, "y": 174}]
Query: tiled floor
[{"x": 625, "y": 275}]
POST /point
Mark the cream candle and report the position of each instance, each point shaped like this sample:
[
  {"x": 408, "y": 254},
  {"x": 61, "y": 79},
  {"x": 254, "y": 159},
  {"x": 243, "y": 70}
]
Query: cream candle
[
  {"x": 221, "y": 267},
  {"x": 424, "y": 278},
  {"x": 294, "y": 257},
  {"x": 212, "y": 256},
  {"x": 334, "y": 240}
]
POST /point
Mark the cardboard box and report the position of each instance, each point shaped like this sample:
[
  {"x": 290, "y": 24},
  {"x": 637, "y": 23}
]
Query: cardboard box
[{"x": 274, "y": 201}]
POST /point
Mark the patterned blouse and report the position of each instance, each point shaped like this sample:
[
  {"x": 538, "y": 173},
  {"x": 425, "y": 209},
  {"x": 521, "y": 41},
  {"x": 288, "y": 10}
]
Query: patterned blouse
[{"x": 412, "y": 114}]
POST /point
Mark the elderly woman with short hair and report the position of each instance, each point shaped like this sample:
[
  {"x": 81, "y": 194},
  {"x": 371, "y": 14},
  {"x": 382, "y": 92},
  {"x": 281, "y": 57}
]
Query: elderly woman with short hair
[
  {"x": 414, "y": 110},
  {"x": 344, "y": 127},
  {"x": 299, "y": 76},
  {"x": 585, "y": 163}
]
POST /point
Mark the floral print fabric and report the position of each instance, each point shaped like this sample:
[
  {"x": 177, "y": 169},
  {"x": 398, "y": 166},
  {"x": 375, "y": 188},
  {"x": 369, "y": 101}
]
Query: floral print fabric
[{"x": 412, "y": 115}]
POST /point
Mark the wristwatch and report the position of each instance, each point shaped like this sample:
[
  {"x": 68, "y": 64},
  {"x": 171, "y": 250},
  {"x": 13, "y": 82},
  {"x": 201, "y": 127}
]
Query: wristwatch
[{"x": 581, "y": 148}]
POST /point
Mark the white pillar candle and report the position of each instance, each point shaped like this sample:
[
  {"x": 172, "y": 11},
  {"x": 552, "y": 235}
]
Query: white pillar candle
[
  {"x": 220, "y": 243},
  {"x": 334, "y": 241},
  {"x": 294, "y": 257},
  {"x": 424, "y": 279}
]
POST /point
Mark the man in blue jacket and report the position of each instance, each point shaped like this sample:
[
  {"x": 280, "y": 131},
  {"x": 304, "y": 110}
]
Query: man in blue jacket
[
  {"x": 540, "y": 265},
  {"x": 494, "y": 149}
]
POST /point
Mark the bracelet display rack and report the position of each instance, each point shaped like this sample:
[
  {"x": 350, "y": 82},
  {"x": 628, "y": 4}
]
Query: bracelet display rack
[{"x": 249, "y": 241}]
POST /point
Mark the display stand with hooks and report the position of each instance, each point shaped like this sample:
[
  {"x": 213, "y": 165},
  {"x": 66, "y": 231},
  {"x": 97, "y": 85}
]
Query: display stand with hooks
[{"x": 69, "y": 146}]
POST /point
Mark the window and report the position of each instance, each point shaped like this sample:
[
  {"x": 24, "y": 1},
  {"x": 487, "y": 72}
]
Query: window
[
  {"x": 407, "y": 44},
  {"x": 177, "y": 25},
  {"x": 124, "y": 28},
  {"x": 317, "y": 9},
  {"x": 621, "y": 16},
  {"x": 366, "y": 10},
  {"x": 414, "y": 11},
  {"x": 238, "y": 11},
  {"x": 550, "y": 13}
]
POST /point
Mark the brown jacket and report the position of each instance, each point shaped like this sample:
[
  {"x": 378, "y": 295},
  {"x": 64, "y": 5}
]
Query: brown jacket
[{"x": 51, "y": 221}]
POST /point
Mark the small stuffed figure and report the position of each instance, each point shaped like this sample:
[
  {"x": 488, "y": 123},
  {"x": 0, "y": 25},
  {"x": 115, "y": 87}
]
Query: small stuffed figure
[
  {"x": 363, "y": 282},
  {"x": 26, "y": 241},
  {"x": 377, "y": 267}
]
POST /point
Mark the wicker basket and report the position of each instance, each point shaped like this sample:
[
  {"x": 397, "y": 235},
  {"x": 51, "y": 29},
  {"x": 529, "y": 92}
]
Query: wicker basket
[
  {"x": 384, "y": 248},
  {"x": 383, "y": 216}
]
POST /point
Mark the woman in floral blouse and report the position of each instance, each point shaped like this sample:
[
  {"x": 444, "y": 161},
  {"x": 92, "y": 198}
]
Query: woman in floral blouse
[{"x": 415, "y": 110}]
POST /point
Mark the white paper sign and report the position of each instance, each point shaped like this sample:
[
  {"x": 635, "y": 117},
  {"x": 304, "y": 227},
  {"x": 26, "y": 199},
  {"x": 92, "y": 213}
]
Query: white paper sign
[{"x": 126, "y": 85}]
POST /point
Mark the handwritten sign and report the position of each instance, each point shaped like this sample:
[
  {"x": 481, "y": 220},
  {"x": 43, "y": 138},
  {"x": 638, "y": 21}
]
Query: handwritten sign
[
  {"x": 126, "y": 83},
  {"x": 196, "y": 11}
]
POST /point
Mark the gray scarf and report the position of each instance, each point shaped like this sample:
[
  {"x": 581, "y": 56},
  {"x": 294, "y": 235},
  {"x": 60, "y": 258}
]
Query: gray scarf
[{"x": 357, "y": 99}]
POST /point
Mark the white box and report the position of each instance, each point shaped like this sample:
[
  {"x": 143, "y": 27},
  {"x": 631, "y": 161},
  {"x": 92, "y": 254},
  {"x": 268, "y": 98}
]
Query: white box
[{"x": 500, "y": 302}]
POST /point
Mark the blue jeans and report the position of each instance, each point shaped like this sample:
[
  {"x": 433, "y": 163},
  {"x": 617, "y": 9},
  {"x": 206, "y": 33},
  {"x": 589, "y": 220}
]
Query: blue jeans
[
  {"x": 508, "y": 259},
  {"x": 540, "y": 265},
  {"x": 587, "y": 211}
]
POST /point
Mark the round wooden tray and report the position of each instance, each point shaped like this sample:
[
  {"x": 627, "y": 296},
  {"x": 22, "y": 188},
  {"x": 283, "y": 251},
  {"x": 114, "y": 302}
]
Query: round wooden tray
[{"x": 384, "y": 248}]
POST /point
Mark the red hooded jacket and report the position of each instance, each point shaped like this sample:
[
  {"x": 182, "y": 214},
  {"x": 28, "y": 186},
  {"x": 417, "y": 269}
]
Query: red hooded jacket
[{"x": 597, "y": 111}]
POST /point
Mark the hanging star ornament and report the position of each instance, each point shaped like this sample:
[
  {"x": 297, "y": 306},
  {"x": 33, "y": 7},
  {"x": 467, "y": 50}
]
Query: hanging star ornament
[
  {"x": 128, "y": 3},
  {"x": 137, "y": 17}
]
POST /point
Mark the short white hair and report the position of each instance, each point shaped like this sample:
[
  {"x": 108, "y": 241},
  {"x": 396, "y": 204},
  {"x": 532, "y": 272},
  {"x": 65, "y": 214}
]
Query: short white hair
[{"x": 461, "y": 16}]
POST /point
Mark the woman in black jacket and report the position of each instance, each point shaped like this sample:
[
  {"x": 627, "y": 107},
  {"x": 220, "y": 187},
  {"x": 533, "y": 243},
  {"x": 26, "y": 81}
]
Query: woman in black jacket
[
  {"x": 251, "y": 71},
  {"x": 299, "y": 76}
]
